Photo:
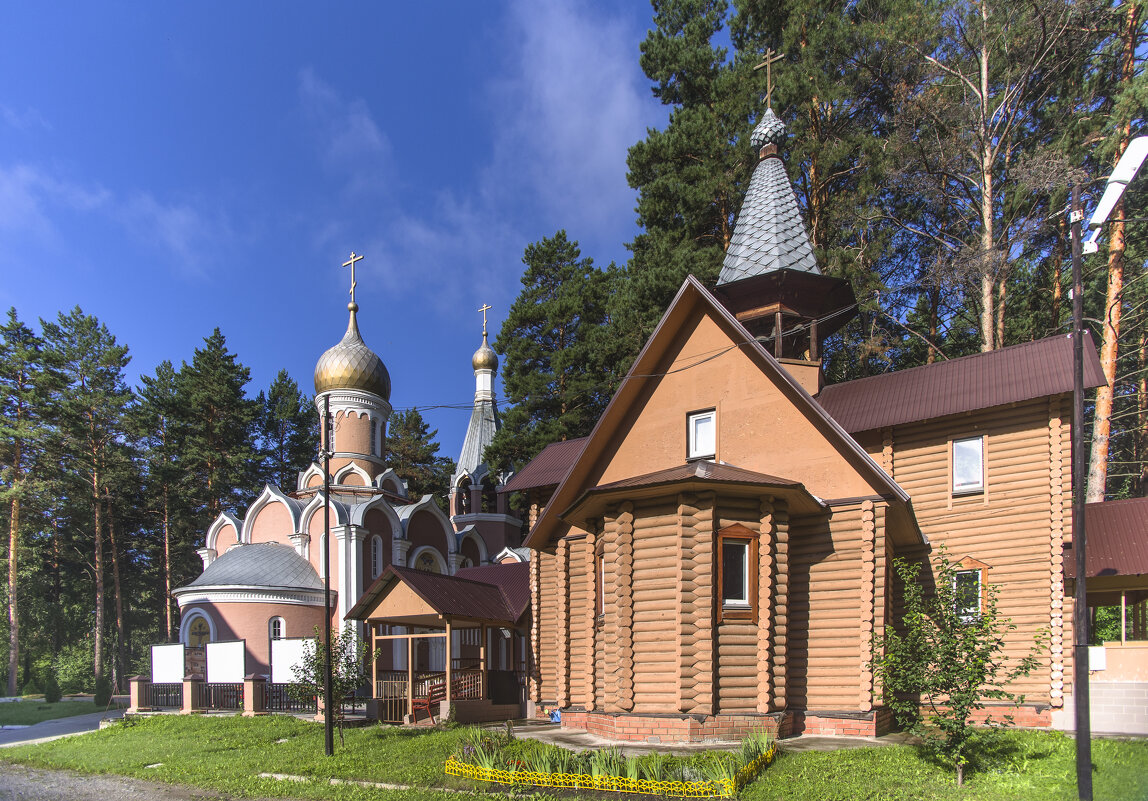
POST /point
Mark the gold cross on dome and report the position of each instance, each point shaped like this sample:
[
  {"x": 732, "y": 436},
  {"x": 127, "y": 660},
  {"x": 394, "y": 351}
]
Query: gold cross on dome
[
  {"x": 351, "y": 263},
  {"x": 770, "y": 58},
  {"x": 485, "y": 308}
]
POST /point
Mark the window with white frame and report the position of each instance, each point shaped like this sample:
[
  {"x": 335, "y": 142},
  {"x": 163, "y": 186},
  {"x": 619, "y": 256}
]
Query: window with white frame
[
  {"x": 967, "y": 594},
  {"x": 376, "y": 556},
  {"x": 737, "y": 573},
  {"x": 277, "y": 628},
  {"x": 701, "y": 433},
  {"x": 968, "y": 465}
]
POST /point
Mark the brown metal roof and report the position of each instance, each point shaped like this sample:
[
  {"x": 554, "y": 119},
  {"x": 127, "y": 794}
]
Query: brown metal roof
[
  {"x": 549, "y": 467},
  {"x": 710, "y": 471},
  {"x": 512, "y": 578},
  {"x": 1117, "y": 543},
  {"x": 454, "y": 596},
  {"x": 1008, "y": 375}
]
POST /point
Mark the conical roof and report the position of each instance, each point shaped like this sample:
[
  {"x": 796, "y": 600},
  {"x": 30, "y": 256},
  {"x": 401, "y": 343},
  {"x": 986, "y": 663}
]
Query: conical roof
[
  {"x": 769, "y": 234},
  {"x": 352, "y": 365}
]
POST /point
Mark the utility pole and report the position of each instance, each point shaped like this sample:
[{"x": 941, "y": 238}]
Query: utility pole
[
  {"x": 328, "y": 729},
  {"x": 1080, "y": 634}
]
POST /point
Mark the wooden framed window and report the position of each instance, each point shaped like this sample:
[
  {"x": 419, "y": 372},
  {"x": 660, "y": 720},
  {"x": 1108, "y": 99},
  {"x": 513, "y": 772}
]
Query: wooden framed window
[
  {"x": 969, "y": 589},
  {"x": 968, "y": 466},
  {"x": 599, "y": 585},
  {"x": 737, "y": 573},
  {"x": 701, "y": 434}
]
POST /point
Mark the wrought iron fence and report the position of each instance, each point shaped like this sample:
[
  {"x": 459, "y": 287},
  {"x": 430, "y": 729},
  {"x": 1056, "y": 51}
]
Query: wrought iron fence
[
  {"x": 166, "y": 696},
  {"x": 276, "y": 698},
  {"x": 222, "y": 696},
  {"x": 391, "y": 695}
]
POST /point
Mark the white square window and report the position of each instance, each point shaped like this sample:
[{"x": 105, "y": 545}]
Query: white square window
[
  {"x": 735, "y": 574},
  {"x": 702, "y": 432},
  {"x": 968, "y": 465}
]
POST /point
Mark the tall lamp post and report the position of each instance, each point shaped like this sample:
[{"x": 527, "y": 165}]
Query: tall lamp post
[
  {"x": 328, "y": 728},
  {"x": 1125, "y": 171}
]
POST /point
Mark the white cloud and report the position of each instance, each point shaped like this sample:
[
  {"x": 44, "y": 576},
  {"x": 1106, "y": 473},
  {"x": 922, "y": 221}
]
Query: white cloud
[
  {"x": 29, "y": 119},
  {"x": 350, "y": 143}
]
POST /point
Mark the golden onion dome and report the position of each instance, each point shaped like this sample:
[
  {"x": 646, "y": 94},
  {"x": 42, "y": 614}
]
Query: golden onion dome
[
  {"x": 484, "y": 358},
  {"x": 352, "y": 365}
]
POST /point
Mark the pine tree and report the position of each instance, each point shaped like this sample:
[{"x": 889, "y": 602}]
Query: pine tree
[
  {"x": 220, "y": 456},
  {"x": 413, "y": 454},
  {"x": 27, "y": 383},
  {"x": 92, "y": 424},
  {"x": 559, "y": 367},
  {"x": 287, "y": 431}
]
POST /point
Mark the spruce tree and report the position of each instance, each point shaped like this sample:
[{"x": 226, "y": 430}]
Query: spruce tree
[
  {"x": 288, "y": 431},
  {"x": 220, "y": 456},
  {"x": 559, "y": 366},
  {"x": 412, "y": 453}
]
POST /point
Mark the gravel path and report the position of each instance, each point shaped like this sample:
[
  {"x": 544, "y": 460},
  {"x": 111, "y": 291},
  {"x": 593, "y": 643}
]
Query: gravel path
[{"x": 20, "y": 783}]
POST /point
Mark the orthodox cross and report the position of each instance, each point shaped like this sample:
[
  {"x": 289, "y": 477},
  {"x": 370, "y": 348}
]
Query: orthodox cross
[
  {"x": 485, "y": 308},
  {"x": 770, "y": 58},
  {"x": 351, "y": 263}
]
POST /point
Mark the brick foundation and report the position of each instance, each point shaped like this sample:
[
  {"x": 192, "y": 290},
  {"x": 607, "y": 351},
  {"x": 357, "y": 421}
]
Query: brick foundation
[{"x": 671, "y": 728}]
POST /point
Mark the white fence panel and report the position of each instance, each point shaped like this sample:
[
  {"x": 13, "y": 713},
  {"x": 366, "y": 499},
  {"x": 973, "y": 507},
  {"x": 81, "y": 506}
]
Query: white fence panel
[{"x": 226, "y": 662}]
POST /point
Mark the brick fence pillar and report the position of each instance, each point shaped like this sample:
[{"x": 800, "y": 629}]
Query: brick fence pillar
[
  {"x": 254, "y": 695},
  {"x": 192, "y": 694},
  {"x": 140, "y": 694}
]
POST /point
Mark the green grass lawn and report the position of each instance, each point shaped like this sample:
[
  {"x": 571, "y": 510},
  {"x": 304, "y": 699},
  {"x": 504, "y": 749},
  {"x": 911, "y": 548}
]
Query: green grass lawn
[
  {"x": 29, "y": 712},
  {"x": 228, "y": 754}
]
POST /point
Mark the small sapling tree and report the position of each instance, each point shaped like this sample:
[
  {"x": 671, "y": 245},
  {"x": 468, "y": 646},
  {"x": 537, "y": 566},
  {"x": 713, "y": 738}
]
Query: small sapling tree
[
  {"x": 349, "y": 670},
  {"x": 946, "y": 659}
]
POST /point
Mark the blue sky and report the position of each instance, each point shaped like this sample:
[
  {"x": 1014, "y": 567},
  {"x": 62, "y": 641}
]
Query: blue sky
[{"x": 174, "y": 167}]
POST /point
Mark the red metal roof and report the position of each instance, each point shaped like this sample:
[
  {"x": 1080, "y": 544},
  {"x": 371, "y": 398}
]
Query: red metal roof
[
  {"x": 495, "y": 597},
  {"x": 549, "y": 467},
  {"x": 1008, "y": 375},
  {"x": 1117, "y": 539},
  {"x": 711, "y": 471}
]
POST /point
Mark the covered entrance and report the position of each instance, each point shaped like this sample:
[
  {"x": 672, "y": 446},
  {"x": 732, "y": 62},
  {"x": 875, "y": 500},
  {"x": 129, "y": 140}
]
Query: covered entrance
[{"x": 448, "y": 642}]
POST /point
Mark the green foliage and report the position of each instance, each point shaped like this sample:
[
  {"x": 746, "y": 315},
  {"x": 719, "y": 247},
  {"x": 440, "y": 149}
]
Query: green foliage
[
  {"x": 413, "y": 453},
  {"x": 558, "y": 368},
  {"x": 350, "y": 670},
  {"x": 103, "y": 696},
  {"x": 52, "y": 692},
  {"x": 938, "y": 667},
  {"x": 287, "y": 424}
]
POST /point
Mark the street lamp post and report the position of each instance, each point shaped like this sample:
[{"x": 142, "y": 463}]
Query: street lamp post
[{"x": 325, "y": 438}]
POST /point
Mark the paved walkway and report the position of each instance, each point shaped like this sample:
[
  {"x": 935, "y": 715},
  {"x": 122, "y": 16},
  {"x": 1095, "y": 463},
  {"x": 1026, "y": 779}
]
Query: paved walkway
[{"x": 54, "y": 729}]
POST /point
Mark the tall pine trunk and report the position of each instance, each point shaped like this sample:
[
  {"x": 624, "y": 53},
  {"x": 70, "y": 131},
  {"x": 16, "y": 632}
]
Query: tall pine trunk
[
  {"x": 987, "y": 262},
  {"x": 13, "y": 617},
  {"x": 121, "y": 629},
  {"x": 1110, "y": 336},
  {"x": 166, "y": 566},
  {"x": 98, "y": 557}
]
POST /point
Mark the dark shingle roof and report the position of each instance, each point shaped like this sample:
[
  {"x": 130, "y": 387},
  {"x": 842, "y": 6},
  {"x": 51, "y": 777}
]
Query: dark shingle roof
[
  {"x": 513, "y": 579},
  {"x": 708, "y": 471},
  {"x": 262, "y": 564},
  {"x": 549, "y": 467},
  {"x": 1008, "y": 375},
  {"x": 1117, "y": 539}
]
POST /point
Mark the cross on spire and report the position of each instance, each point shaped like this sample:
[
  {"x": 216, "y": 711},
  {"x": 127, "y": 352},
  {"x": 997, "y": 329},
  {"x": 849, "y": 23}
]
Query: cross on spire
[
  {"x": 770, "y": 58},
  {"x": 485, "y": 308},
  {"x": 351, "y": 263}
]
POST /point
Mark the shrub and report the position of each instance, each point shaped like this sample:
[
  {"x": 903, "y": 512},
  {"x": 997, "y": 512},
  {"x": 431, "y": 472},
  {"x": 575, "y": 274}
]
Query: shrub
[{"x": 52, "y": 692}]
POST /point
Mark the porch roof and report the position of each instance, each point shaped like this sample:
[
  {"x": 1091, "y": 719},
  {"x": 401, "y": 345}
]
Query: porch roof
[
  {"x": 700, "y": 475},
  {"x": 1117, "y": 543},
  {"x": 415, "y": 597}
]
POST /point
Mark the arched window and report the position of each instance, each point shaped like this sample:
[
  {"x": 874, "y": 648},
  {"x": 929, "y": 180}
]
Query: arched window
[
  {"x": 277, "y": 628},
  {"x": 374, "y": 441},
  {"x": 376, "y": 556}
]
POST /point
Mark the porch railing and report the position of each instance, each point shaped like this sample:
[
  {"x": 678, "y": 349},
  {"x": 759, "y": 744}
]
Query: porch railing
[{"x": 165, "y": 696}]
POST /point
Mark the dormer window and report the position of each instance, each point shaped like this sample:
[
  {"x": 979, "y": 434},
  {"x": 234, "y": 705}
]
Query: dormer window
[
  {"x": 968, "y": 465},
  {"x": 701, "y": 434}
]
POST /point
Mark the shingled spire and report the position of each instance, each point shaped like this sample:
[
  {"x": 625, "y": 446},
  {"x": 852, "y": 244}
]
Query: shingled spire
[
  {"x": 769, "y": 234},
  {"x": 770, "y": 279}
]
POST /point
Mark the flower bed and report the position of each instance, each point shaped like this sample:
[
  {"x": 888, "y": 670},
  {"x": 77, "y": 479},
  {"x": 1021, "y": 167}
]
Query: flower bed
[{"x": 528, "y": 763}]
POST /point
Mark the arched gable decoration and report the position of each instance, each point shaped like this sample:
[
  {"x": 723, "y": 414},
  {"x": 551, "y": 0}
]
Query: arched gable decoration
[
  {"x": 340, "y": 476},
  {"x": 339, "y": 513},
  {"x": 471, "y": 533},
  {"x": 359, "y": 515},
  {"x": 427, "y": 552},
  {"x": 314, "y": 471},
  {"x": 224, "y": 520},
  {"x": 390, "y": 481},
  {"x": 189, "y": 618},
  {"x": 427, "y": 504},
  {"x": 511, "y": 554},
  {"x": 269, "y": 495}
]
